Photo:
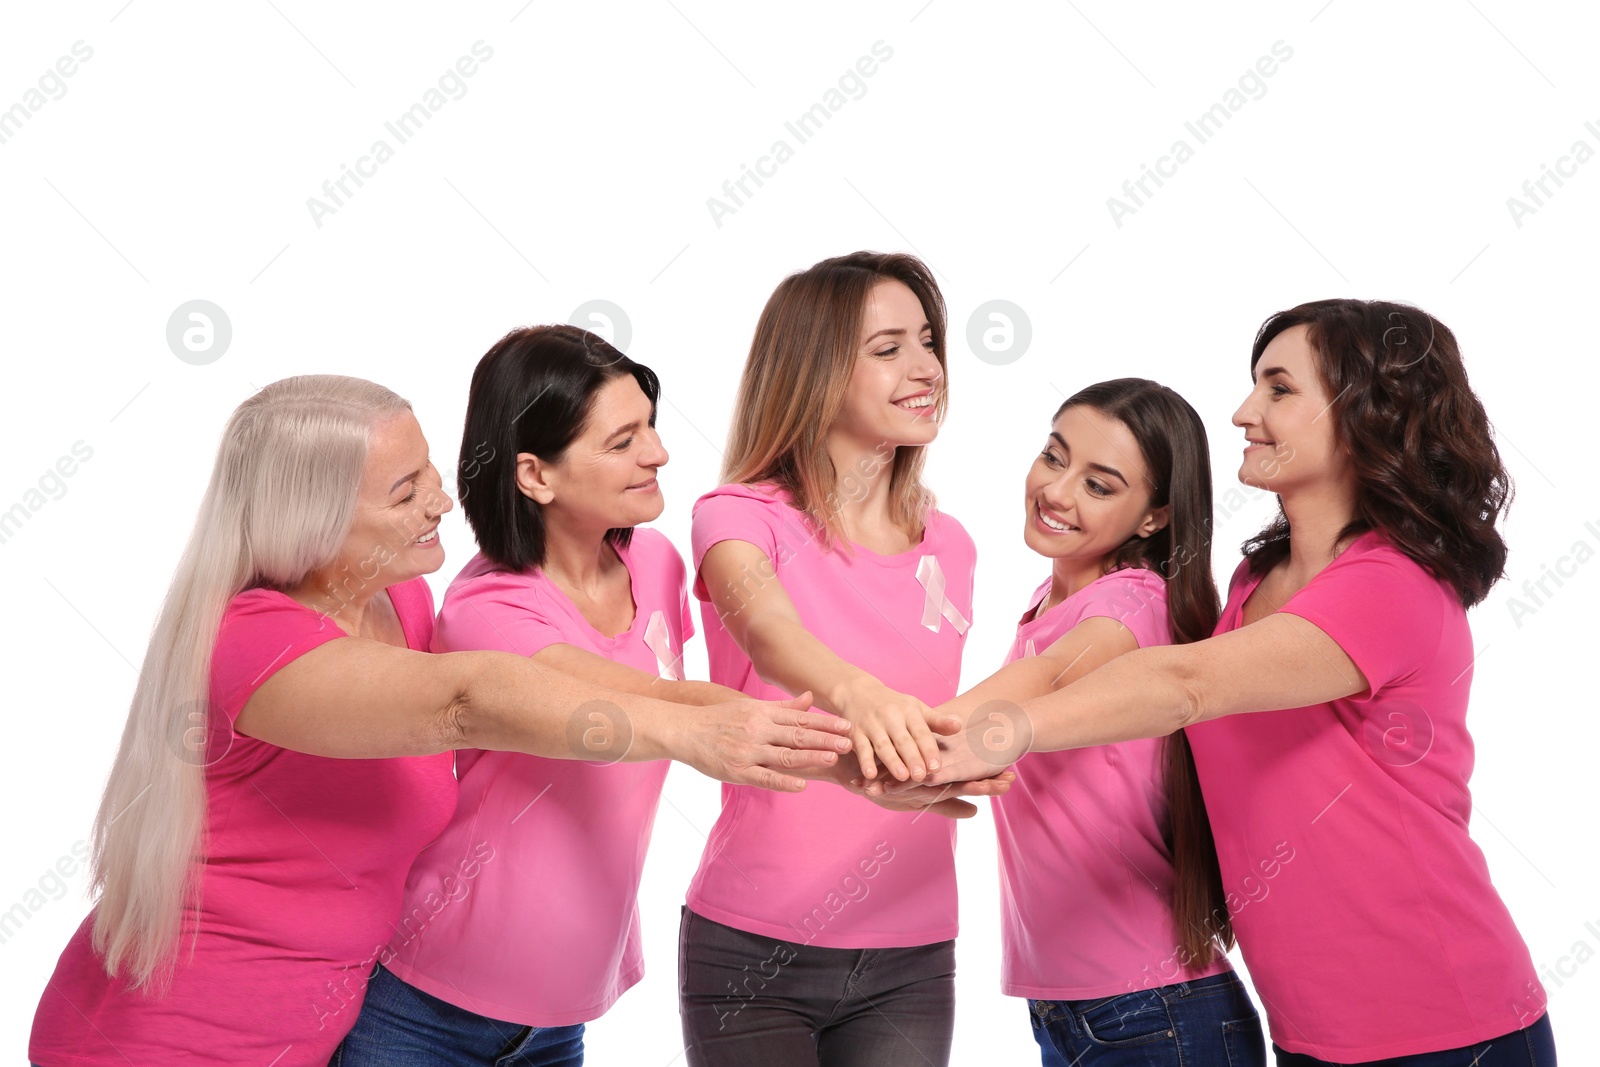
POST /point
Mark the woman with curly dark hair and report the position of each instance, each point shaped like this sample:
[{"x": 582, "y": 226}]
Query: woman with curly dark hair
[{"x": 1340, "y": 808}]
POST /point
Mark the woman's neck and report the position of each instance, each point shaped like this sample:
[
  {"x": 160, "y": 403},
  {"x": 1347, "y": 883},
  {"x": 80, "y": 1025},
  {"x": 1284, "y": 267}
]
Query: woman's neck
[
  {"x": 577, "y": 559},
  {"x": 861, "y": 499},
  {"x": 1070, "y": 574},
  {"x": 342, "y": 595},
  {"x": 1316, "y": 520}
]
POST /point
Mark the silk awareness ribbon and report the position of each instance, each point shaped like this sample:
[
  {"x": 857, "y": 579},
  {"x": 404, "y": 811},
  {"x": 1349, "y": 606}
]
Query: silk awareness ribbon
[
  {"x": 935, "y": 603},
  {"x": 659, "y": 640}
]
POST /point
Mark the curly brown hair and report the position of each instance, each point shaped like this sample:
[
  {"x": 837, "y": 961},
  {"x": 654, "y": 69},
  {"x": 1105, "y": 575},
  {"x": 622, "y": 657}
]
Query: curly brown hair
[{"x": 1428, "y": 474}]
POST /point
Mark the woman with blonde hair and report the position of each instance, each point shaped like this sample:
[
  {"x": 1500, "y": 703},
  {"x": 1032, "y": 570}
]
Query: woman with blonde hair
[
  {"x": 821, "y": 931},
  {"x": 275, "y": 783}
]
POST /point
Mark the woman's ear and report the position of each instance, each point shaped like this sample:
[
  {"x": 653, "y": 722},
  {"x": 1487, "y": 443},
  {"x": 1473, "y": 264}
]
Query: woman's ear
[
  {"x": 1156, "y": 519},
  {"x": 534, "y": 478}
]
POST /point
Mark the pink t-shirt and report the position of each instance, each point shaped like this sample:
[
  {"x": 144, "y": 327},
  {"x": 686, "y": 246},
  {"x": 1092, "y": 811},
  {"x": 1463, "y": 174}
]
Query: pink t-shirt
[
  {"x": 1363, "y": 908},
  {"x": 305, "y": 860},
  {"x": 1085, "y": 869},
  {"x": 526, "y": 908},
  {"x": 826, "y": 867}
]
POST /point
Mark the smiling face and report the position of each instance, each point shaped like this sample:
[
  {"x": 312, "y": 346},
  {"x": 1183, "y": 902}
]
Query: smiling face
[
  {"x": 1288, "y": 421},
  {"x": 893, "y": 394},
  {"x": 1088, "y": 491},
  {"x": 606, "y": 478},
  {"x": 395, "y": 534}
]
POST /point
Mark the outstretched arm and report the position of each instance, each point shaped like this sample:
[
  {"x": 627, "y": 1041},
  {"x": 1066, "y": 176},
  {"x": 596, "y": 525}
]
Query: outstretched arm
[
  {"x": 360, "y": 699},
  {"x": 569, "y": 659},
  {"x": 1282, "y": 661},
  {"x": 1092, "y": 643},
  {"x": 887, "y": 727}
]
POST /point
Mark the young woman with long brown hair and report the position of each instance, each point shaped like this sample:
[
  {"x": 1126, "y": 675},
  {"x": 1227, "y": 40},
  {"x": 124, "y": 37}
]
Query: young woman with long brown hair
[
  {"x": 1328, "y": 714},
  {"x": 1113, "y": 916},
  {"x": 822, "y": 932}
]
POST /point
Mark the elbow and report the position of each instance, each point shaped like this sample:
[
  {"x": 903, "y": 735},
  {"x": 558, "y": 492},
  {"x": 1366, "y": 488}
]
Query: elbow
[
  {"x": 1187, "y": 701},
  {"x": 451, "y": 726},
  {"x": 495, "y": 700}
]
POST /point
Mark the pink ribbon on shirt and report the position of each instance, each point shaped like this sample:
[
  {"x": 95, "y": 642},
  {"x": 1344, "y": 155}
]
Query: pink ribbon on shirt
[
  {"x": 936, "y": 603},
  {"x": 658, "y": 639}
]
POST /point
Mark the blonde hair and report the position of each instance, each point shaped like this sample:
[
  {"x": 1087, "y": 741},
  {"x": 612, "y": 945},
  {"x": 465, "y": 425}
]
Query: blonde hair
[
  {"x": 279, "y": 505},
  {"x": 796, "y": 378}
]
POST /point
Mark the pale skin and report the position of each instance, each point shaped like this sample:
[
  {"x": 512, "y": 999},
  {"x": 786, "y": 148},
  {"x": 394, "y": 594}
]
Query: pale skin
[
  {"x": 371, "y": 697},
  {"x": 893, "y": 384},
  {"x": 605, "y": 479},
  {"x": 1273, "y": 661},
  {"x": 1086, "y": 493}
]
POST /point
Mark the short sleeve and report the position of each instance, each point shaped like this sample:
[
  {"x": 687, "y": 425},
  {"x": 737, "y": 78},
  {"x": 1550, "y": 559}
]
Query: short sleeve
[
  {"x": 688, "y": 616},
  {"x": 733, "y": 516},
  {"x": 262, "y": 631},
  {"x": 1135, "y": 597},
  {"x": 1240, "y": 579},
  {"x": 1381, "y": 607},
  {"x": 413, "y": 602},
  {"x": 668, "y": 578},
  {"x": 497, "y": 612}
]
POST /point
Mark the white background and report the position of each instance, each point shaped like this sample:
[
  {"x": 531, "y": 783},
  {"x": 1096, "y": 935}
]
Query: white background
[{"x": 577, "y": 166}]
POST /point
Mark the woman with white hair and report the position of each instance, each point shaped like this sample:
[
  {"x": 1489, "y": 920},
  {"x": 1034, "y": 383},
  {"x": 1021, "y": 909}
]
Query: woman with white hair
[{"x": 275, "y": 783}]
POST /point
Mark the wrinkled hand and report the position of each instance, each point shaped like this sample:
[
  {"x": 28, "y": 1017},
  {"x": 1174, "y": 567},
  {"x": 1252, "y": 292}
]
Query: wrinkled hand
[
  {"x": 893, "y": 729},
  {"x": 762, "y": 742}
]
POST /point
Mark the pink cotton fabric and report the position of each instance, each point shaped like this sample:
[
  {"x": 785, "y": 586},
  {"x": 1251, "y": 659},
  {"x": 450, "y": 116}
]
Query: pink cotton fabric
[
  {"x": 825, "y": 867},
  {"x": 1364, "y": 910},
  {"x": 305, "y": 860},
  {"x": 1085, "y": 870},
  {"x": 526, "y": 907}
]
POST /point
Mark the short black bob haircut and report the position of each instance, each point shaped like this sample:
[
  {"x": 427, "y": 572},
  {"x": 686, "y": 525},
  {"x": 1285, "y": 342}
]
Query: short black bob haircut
[{"x": 532, "y": 392}]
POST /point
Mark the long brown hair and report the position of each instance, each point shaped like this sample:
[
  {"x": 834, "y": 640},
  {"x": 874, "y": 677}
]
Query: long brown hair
[
  {"x": 796, "y": 376},
  {"x": 1172, "y": 439},
  {"x": 1428, "y": 474}
]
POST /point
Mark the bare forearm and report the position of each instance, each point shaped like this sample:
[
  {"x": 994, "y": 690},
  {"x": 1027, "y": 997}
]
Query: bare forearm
[
  {"x": 1086, "y": 647},
  {"x": 700, "y": 694},
  {"x": 1140, "y": 694},
  {"x": 613, "y": 675},
  {"x": 787, "y": 655},
  {"x": 510, "y": 703},
  {"x": 1280, "y": 662},
  {"x": 1023, "y": 680}
]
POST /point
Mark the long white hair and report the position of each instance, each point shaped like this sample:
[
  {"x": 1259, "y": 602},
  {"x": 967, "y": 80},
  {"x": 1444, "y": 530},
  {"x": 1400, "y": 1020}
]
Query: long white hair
[{"x": 280, "y": 504}]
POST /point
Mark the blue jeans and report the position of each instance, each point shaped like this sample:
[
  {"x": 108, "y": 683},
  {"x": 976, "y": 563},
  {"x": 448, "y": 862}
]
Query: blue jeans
[
  {"x": 1532, "y": 1047},
  {"x": 401, "y": 1026},
  {"x": 1205, "y": 1023}
]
